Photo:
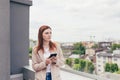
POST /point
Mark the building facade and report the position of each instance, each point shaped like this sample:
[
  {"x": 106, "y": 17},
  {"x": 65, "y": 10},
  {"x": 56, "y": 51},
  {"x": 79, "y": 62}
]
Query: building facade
[{"x": 102, "y": 58}]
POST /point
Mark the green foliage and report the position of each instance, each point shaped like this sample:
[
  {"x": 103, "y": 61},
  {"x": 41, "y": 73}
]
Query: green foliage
[
  {"x": 91, "y": 68},
  {"x": 76, "y": 67},
  {"x": 89, "y": 64},
  {"x": 79, "y": 49},
  {"x": 107, "y": 67},
  {"x": 82, "y": 65},
  {"x": 118, "y": 72},
  {"x": 116, "y": 67},
  {"x": 30, "y": 55},
  {"x": 95, "y": 46},
  {"x": 86, "y": 66},
  {"x": 111, "y": 67},
  {"x": 115, "y": 46},
  {"x": 30, "y": 50},
  {"x": 69, "y": 61},
  {"x": 76, "y": 52},
  {"x": 76, "y": 61},
  {"x": 77, "y": 45}
]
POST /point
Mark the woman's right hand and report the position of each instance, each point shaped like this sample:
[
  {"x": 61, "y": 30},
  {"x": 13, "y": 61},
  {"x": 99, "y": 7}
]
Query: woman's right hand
[{"x": 48, "y": 61}]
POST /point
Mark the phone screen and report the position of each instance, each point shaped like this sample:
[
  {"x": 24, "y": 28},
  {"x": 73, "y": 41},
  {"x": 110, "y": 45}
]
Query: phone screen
[{"x": 51, "y": 55}]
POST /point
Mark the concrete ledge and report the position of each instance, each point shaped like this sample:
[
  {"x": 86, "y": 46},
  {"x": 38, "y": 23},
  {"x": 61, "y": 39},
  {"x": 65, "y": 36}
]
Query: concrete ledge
[
  {"x": 16, "y": 77},
  {"x": 28, "y": 73},
  {"x": 25, "y": 2}
]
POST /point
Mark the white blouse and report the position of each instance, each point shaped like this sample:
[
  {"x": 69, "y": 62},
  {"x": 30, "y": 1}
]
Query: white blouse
[{"x": 46, "y": 55}]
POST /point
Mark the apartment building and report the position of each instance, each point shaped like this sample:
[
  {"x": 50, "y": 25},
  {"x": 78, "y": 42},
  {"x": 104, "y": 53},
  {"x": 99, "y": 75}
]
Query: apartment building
[
  {"x": 88, "y": 44},
  {"x": 103, "y": 57},
  {"x": 104, "y": 45}
]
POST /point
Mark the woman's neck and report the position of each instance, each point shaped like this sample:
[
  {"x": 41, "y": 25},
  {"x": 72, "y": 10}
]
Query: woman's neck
[{"x": 46, "y": 44}]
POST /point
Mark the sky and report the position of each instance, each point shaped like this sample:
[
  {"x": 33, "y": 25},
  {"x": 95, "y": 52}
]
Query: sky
[{"x": 76, "y": 20}]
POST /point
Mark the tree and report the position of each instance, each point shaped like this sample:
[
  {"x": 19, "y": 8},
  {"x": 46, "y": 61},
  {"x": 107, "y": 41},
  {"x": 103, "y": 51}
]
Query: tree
[
  {"x": 76, "y": 66},
  {"x": 69, "y": 61},
  {"x": 91, "y": 68},
  {"x": 115, "y": 46},
  {"x": 111, "y": 67},
  {"x": 116, "y": 67},
  {"x": 95, "y": 46},
  {"x": 79, "y": 49},
  {"x": 107, "y": 67},
  {"x": 30, "y": 50},
  {"x": 82, "y": 65},
  {"x": 76, "y": 61},
  {"x": 89, "y": 63}
]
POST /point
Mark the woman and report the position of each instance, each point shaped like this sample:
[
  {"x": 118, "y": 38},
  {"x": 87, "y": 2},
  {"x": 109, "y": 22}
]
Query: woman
[{"x": 46, "y": 68}]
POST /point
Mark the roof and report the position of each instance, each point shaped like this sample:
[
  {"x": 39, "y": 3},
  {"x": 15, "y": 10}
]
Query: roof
[
  {"x": 105, "y": 54},
  {"x": 109, "y": 55},
  {"x": 117, "y": 55}
]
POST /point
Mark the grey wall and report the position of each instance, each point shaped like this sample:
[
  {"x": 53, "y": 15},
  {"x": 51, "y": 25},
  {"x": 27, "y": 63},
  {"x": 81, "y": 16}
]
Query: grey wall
[
  {"x": 19, "y": 35},
  {"x": 4, "y": 40},
  {"x": 14, "y": 36}
]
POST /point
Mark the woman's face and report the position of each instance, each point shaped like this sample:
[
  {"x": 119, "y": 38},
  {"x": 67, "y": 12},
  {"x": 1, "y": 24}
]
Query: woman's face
[{"x": 47, "y": 35}]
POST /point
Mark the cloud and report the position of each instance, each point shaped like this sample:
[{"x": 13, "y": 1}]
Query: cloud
[{"x": 72, "y": 19}]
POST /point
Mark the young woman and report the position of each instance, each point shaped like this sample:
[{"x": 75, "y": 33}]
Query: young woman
[{"x": 46, "y": 68}]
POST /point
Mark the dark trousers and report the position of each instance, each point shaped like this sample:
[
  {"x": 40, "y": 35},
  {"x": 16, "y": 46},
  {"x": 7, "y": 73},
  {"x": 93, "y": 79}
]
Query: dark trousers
[{"x": 48, "y": 76}]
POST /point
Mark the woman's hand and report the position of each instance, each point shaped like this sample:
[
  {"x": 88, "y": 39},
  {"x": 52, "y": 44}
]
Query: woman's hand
[
  {"x": 53, "y": 60},
  {"x": 48, "y": 61}
]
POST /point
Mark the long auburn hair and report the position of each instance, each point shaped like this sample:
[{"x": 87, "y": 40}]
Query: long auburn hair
[{"x": 52, "y": 45}]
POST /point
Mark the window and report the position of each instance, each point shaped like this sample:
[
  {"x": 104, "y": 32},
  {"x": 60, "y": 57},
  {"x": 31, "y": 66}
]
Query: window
[
  {"x": 99, "y": 70},
  {"x": 104, "y": 62},
  {"x": 104, "y": 58},
  {"x": 115, "y": 59},
  {"x": 99, "y": 65},
  {"x": 98, "y": 56}
]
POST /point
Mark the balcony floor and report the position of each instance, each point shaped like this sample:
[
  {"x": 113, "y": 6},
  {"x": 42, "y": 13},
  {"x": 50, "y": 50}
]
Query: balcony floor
[{"x": 69, "y": 76}]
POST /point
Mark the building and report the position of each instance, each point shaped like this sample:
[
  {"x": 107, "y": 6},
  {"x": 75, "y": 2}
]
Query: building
[
  {"x": 67, "y": 45},
  {"x": 103, "y": 57},
  {"x": 91, "y": 54},
  {"x": 88, "y": 44},
  {"x": 14, "y": 37},
  {"x": 105, "y": 45}
]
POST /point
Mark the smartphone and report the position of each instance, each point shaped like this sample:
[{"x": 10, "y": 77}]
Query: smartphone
[{"x": 54, "y": 54}]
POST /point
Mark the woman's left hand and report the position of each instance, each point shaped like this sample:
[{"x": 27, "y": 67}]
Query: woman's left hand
[{"x": 54, "y": 60}]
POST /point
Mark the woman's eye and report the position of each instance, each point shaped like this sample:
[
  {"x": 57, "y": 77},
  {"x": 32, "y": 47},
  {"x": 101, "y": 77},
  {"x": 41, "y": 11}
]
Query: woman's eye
[{"x": 46, "y": 33}]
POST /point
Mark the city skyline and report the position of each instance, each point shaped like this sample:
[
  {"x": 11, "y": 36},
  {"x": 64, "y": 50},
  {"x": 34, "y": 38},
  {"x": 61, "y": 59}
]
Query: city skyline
[{"x": 77, "y": 20}]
